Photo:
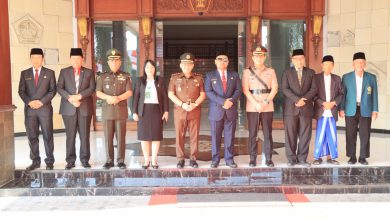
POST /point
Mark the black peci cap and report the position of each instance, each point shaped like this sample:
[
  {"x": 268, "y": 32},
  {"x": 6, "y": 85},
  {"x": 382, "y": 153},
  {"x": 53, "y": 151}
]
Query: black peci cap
[
  {"x": 76, "y": 52},
  {"x": 359, "y": 55},
  {"x": 298, "y": 52},
  {"x": 328, "y": 58},
  {"x": 36, "y": 51}
]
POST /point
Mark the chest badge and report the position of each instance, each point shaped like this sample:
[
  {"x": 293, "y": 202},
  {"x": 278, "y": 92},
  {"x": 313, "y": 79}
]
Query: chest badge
[{"x": 369, "y": 90}]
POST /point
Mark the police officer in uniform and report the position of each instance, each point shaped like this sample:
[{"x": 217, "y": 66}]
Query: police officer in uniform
[
  {"x": 260, "y": 85},
  {"x": 186, "y": 90},
  {"x": 114, "y": 88}
]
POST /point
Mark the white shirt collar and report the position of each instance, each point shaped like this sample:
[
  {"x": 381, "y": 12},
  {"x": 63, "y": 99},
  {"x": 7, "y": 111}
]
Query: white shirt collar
[{"x": 39, "y": 69}]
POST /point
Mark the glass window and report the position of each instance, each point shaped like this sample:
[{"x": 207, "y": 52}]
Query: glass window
[
  {"x": 122, "y": 35},
  {"x": 281, "y": 37}
]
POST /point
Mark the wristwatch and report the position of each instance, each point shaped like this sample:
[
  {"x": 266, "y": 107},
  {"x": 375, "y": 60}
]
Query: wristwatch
[{"x": 266, "y": 101}]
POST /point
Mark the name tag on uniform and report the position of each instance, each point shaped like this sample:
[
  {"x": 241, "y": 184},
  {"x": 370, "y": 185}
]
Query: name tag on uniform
[
  {"x": 28, "y": 78},
  {"x": 214, "y": 81}
]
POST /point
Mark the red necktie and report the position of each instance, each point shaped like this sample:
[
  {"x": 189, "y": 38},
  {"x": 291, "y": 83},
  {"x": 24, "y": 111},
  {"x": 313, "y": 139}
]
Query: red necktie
[
  {"x": 36, "y": 77},
  {"x": 223, "y": 81}
]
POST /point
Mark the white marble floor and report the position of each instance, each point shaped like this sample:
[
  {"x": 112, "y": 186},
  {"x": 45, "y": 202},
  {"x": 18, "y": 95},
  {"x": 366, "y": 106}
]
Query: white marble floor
[{"x": 380, "y": 151}]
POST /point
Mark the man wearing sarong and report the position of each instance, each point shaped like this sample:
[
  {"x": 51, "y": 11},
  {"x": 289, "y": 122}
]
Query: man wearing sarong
[{"x": 329, "y": 96}]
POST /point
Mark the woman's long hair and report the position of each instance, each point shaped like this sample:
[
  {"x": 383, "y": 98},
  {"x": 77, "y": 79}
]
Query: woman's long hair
[{"x": 144, "y": 76}]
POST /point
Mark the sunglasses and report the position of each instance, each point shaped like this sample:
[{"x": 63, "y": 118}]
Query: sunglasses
[{"x": 222, "y": 60}]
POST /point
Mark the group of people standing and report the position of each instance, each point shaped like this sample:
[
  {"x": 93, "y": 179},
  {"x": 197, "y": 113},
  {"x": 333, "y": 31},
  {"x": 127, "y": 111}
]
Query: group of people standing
[{"x": 323, "y": 96}]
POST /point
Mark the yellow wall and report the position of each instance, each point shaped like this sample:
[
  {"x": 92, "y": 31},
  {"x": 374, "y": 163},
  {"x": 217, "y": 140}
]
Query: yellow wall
[
  {"x": 56, "y": 19},
  {"x": 361, "y": 25}
]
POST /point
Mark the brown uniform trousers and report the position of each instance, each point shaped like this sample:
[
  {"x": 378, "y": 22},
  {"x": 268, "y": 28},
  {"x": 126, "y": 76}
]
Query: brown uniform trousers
[
  {"x": 187, "y": 90},
  {"x": 114, "y": 116}
]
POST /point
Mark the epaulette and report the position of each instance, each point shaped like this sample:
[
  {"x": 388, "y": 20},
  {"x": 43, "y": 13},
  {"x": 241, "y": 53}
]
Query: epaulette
[{"x": 174, "y": 75}]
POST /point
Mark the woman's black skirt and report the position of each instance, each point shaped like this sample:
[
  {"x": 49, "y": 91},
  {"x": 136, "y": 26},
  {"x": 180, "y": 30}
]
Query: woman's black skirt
[{"x": 150, "y": 125}]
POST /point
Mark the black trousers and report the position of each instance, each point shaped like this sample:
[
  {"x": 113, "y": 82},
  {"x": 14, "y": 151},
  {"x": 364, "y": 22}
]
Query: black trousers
[
  {"x": 297, "y": 127},
  {"x": 353, "y": 124},
  {"x": 73, "y": 124},
  {"x": 119, "y": 128},
  {"x": 32, "y": 124},
  {"x": 254, "y": 120}
]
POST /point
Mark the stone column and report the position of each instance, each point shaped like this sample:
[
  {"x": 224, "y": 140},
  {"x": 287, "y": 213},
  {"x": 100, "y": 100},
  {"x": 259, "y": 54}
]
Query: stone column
[{"x": 7, "y": 146}]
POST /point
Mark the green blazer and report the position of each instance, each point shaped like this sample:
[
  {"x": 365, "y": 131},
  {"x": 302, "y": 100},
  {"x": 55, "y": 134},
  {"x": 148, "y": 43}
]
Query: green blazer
[{"x": 369, "y": 98}]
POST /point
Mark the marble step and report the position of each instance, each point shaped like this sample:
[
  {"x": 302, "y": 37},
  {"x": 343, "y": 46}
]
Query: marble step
[{"x": 137, "y": 181}]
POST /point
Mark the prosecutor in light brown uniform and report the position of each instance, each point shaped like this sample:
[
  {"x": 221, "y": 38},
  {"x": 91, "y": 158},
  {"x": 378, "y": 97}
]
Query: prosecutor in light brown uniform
[
  {"x": 114, "y": 88},
  {"x": 186, "y": 90}
]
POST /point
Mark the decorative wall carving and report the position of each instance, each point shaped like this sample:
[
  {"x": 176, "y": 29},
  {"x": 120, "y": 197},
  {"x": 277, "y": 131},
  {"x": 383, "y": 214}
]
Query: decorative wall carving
[
  {"x": 227, "y": 5},
  {"x": 173, "y": 5},
  {"x": 347, "y": 38},
  {"x": 28, "y": 30}
]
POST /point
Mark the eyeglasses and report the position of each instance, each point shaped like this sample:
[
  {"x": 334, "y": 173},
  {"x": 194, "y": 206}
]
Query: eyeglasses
[{"x": 222, "y": 60}]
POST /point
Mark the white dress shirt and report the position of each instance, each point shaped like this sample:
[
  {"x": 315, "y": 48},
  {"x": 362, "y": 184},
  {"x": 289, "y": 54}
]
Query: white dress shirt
[
  {"x": 39, "y": 71},
  {"x": 152, "y": 91},
  {"x": 359, "y": 86},
  {"x": 327, "y": 80}
]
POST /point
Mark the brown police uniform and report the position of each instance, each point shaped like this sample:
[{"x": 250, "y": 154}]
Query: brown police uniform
[
  {"x": 261, "y": 85},
  {"x": 114, "y": 116},
  {"x": 187, "y": 90}
]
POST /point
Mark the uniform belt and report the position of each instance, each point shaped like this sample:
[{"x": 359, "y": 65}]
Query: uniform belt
[{"x": 260, "y": 91}]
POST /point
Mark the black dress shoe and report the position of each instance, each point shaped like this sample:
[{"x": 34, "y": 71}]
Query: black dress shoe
[
  {"x": 252, "y": 163},
  {"x": 121, "y": 165},
  {"x": 352, "y": 160},
  {"x": 108, "y": 165},
  {"x": 214, "y": 164},
  {"x": 232, "y": 165},
  {"x": 317, "y": 161},
  {"x": 194, "y": 164},
  {"x": 269, "y": 163},
  {"x": 86, "y": 165},
  {"x": 363, "y": 161},
  {"x": 33, "y": 166},
  {"x": 145, "y": 167},
  {"x": 69, "y": 166},
  {"x": 180, "y": 164},
  {"x": 49, "y": 166}
]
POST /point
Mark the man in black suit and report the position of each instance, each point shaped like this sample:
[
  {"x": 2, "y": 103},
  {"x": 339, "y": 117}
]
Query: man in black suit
[
  {"x": 76, "y": 85},
  {"x": 299, "y": 89},
  {"x": 329, "y": 96},
  {"x": 37, "y": 87}
]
